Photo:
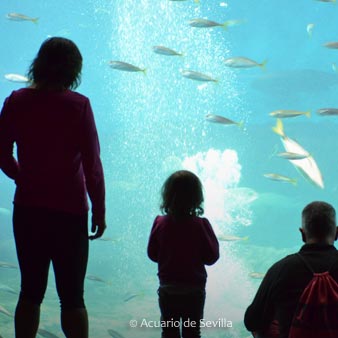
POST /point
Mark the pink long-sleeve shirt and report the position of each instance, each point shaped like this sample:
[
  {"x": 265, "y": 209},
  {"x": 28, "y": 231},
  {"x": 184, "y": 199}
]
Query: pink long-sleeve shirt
[
  {"x": 58, "y": 152},
  {"x": 182, "y": 248}
]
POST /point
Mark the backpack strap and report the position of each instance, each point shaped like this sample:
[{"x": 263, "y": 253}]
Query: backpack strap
[{"x": 309, "y": 266}]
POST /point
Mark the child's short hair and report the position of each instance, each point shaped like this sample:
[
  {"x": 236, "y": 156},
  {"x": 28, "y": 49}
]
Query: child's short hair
[
  {"x": 182, "y": 195},
  {"x": 58, "y": 64}
]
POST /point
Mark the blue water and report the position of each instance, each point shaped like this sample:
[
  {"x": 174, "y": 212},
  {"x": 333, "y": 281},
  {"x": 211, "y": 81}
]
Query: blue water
[{"x": 150, "y": 125}]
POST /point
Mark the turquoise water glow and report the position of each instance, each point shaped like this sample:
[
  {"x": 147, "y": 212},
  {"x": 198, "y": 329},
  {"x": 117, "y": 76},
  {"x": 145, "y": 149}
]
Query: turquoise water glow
[{"x": 150, "y": 125}]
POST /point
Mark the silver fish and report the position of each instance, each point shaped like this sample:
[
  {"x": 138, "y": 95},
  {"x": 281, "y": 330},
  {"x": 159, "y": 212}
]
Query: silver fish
[
  {"x": 221, "y": 119},
  {"x": 16, "y": 78},
  {"x": 327, "y": 111},
  {"x": 97, "y": 279},
  {"x": 283, "y": 113},
  {"x": 231, "y": 238},
  {"x": 190, "y": 74},
  {"x": 165, "y": 51},
  {"x": 46, "y": 334},
  {"x": 7, "y": 265},
  {"x": 281, "y": 178},
  {"x": 129, "y": 297},
  {"x": 8, "y": 289},
  {"x": 204, "y": 23},
  {"x": 114, "y": 334},
  {"x": 292, "y": 156},
  {"x": 257, "y": 275},
  {"x": 20, "y": 17},
  {"x": 309, "y": 29},
  {"x": 331, "y": 45},
  {"x": 5, "y": 311},
  {"x": 127, "y": 67},
  {"x": 243, "y": 62}
]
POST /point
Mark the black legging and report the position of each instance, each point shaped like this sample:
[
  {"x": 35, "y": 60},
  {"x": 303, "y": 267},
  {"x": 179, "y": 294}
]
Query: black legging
[{"x": 43, "y": 236}]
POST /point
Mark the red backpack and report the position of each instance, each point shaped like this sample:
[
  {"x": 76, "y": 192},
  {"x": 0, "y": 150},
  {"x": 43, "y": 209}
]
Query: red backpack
[{"x": 316, "y": 315}]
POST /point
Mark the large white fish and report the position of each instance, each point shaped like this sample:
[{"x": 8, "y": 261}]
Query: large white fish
[
  {"x": 190, "y": 74},
  {"x": 20, "y": 17},
  {"x": 127, "y": 67},
  {"x": 307, "y": 166},
  {"x": 16, "y": 78}
]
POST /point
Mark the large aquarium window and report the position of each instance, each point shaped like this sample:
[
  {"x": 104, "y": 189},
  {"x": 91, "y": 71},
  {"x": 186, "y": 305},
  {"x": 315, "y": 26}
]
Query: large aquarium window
[{"x": 243, "y": 93}]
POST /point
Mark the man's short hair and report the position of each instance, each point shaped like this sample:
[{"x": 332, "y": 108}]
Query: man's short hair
[{"x": 319, "y": 220}]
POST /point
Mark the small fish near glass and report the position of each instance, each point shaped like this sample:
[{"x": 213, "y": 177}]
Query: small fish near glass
[
  {"x": 222, "y": 120},
  {"x": 16, "y": 78},
  {"x": 243, "y": 62},
  {"x": 165, "y": 51},
  {"x": 197, "y": 76},
  {"x": 285, "y": 113},
  {"x": 327, "y": 111},
  {"x": 205, "y": 23},
  {"x": 21, "y": 17},
  {"x": 126, "y": 67}
]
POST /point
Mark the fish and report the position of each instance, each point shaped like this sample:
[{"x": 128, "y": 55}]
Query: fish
[
  {"x": 114, "y": 334},
  {"x": 331, "y": 45},
  {"x": 20, "y": 17},
  {"x": 309, "y": 29},
  {"x": 5, "y": 211},
  {"x": 195, "y": 1},
  {"x": 129, "y": 297},
  {"x": 221, "y": 120},
  {"x": 281, "y": 178},
  {"x": 282, "y": 113},
  {"x": 204, "y": 23},
  {"x": 16, "y": 78},
  {"x": 109, "y": 239},
  {"x": 327, "y": 1},
  {"x": 334, "y": 67},
  {"x": 292, "y": 156},
  {"x": 327, "y": 111},
  {"x": 165, "y": 51},
  {"x": 8, "y": 289},
  {"x": 46, "y": 334},
  {"x": 243, "y": 62},
  {"x": 307, "y": 166},
  {"x": 7, "y": 265},
  {"x": 5, "y": 311},
  {"x": 127, "y": 67},
  {"x": 231, "y": 238},
  {"x": 257, "y": 275},
  {"x": 97, "y": 279},
  {"x": 190, "y": 74}
]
